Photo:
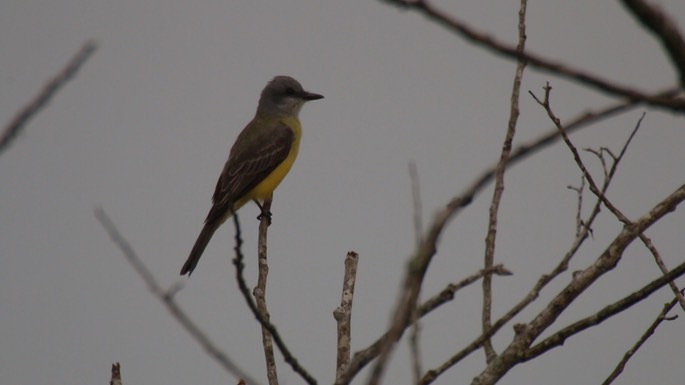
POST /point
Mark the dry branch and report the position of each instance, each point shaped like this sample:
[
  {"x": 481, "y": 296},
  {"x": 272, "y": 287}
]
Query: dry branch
[
  {"x": 259, "y": 293},
  {"x": 645, "y": 336},
  {"x": 361, "y": 358},
  {"x": 343, "y": 314},
  {"x": 558, "y": 338},
  {"x": 491, "y": 236},
  {"x": 41, "y": 100},
  {"x": 116, "y": 374},
  {"x": 167, "y": 298},
  {"x": 527, "y": 333},
  {"x": 544, "y": 64},
  {"x": 414, "y": 337},
  {"x": 601, "y": 194},
  {"x": 242, "y": 284}
]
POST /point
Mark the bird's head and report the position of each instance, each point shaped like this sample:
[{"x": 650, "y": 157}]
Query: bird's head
[{"x": 284, "y": 96}]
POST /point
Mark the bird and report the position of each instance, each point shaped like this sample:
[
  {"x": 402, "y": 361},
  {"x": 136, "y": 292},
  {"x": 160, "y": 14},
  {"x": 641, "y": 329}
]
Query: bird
[{"x": 260, "y": 158}]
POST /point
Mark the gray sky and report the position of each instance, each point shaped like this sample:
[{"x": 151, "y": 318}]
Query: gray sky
[{"x": 146, "y": 126}]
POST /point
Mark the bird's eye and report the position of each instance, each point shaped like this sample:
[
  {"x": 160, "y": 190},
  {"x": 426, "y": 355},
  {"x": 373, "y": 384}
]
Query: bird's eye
[{"x": 289, "y": 91}]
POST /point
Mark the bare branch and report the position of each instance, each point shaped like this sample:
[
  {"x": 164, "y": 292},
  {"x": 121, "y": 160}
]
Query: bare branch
[
  {"x": 239, "y": 267},
  {"x": 166, "y": 297},
  {"x": 259, "y": 293},
  {"x": 525, "y": 334},
  {"x": 645, "y": 336},
  {"x": 447, "y": 294},
  {"x": 601, "y": 194},
  {"x": 643, "y": 237},
  {"x": 490, "y": 353},
  {"x": 544, "y": 64},
  {"x": 576, "y": 156},
  {"x": 343, "y": 314},
  {"x": 662, "y": 266},
  {"x": 583, "y": 120},
  {"x": 418, "y": 228},
  {"x": 664, "y": 28},
  {"x": 579, "y": 206},
  {"x": 414, "y": 346},
  {"x": 558, "y": 338},
  {"x": 533, "y": 294},
  {"x": 413, "y": 280},
  {"x": 41, "y": 100},
  {"x": 116, "y": 374},
  {"x": 363, "y": 357},
  {"x": 416, "y": 199}
]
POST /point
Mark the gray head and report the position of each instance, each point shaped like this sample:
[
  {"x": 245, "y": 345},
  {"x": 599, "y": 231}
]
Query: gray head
[{"x": 284, "y": 96}]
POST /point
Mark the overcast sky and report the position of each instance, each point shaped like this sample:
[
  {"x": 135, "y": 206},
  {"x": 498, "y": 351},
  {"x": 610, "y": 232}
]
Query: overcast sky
[{"x": 145, "y": 128}]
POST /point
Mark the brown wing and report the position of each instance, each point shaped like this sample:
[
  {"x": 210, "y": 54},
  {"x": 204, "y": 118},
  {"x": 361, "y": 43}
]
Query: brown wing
[{"x": 248, "y": 166}]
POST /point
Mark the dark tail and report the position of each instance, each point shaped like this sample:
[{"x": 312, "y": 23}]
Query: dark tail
[{"x": 200, "y": 245}]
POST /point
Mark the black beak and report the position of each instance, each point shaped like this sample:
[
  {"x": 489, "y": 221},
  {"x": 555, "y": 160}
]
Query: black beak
[{"x": 311, "y": 96}]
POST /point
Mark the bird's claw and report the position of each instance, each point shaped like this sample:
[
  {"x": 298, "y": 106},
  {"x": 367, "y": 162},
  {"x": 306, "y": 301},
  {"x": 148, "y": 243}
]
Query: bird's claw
[{"x": 265, "y": 215}]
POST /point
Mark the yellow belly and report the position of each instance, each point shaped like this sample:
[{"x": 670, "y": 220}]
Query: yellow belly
[{"x": 266, "y": 187}]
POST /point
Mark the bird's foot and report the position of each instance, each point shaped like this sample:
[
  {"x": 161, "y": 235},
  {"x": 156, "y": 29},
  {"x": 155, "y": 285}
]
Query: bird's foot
[{"x": 266, "y": 214}]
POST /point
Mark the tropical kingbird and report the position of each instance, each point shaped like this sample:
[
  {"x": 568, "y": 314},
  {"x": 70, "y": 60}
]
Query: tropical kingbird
[{"x": 260, "y": 158}]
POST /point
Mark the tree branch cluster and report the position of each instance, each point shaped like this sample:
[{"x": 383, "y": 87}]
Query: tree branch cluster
[{"x": 409, "y": 310}]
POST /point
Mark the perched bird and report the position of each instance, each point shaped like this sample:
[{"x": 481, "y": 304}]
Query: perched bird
[{"x": 260, "y": 158}]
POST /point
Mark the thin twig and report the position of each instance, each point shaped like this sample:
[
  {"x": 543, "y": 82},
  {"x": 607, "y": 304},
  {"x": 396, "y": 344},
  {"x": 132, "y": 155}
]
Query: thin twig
[
  {"x": 413, "y": 279},
  {"x": 579, "y": 206},
  {"x": 581, "y": 120},
  {"x": 116, "y": 374},
  {"x": 643, "y": 237},
  {"x": 583, "y": 279},
  {"x": 601, "y": 194},
  {"x": 414, "y": 346},
  {"x": 416, "y": 200},
  {"x": 558, "y": 338},
  {"x": 624, "y": 219},
  {"x": 645, "y": 336},
  {"x": 41, "y": 100},
  {"x": 447, "y": 294},
  {"x": 245, "y": 291},
  {"x": 166, "y": 297},
  {"x": 576, "y": 156},
  {"x": 460, "y": 28},
  {"x": 533, "y": 294},
  {"x": 259, "y": 293},
  {"x": 343, "y": 314},
  {"x": 414, "y": 336},
  {"x": 519, "y": 154},
  {"x": 364, "y": 356},
  {"x": 522, "y": 152},
  {"x": 491, "y": 236},
  {"x": 662, "y": 266}
]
